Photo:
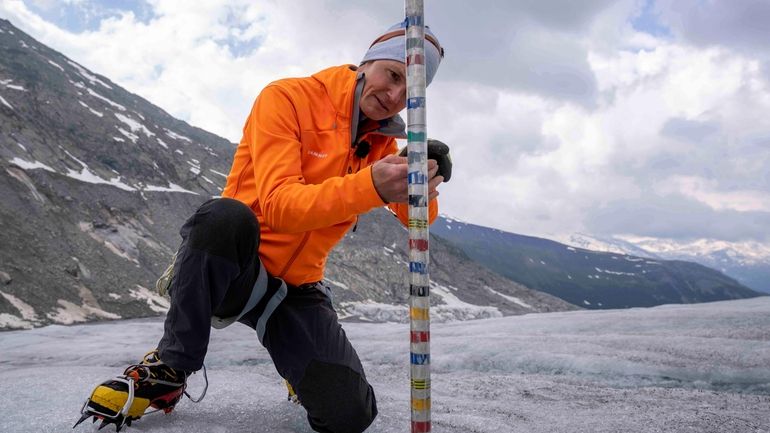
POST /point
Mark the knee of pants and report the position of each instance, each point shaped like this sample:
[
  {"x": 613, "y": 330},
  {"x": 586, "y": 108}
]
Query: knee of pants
[
  {"x": 337, "y": 398},
  {"x": 224, "y": 227}
]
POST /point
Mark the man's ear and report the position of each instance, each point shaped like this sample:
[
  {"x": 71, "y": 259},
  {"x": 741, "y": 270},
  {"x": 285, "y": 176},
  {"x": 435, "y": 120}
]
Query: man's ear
[{"x": 363, "y": 67}]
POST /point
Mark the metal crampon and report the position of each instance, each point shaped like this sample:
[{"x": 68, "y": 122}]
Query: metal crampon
[
  {"x": 102, "y": 403},
  {"x": 144, "y": 388}
]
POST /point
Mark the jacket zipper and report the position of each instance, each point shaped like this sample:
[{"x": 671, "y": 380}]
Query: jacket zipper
[
  {"x": 355, "y": 225},
  {"x": 305, "y": 238},
  {"x": 295, "y": 255}
]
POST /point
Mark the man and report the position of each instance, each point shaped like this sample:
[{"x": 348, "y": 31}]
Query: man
[{"x": 316, "y": 152}]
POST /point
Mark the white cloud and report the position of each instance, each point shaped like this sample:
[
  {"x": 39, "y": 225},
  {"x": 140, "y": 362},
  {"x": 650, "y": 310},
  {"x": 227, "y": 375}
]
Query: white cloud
[
  {"x": 558, "y": 113},
  {"x": 585, "y": 159},
  {"x": 708, "y": 192}
]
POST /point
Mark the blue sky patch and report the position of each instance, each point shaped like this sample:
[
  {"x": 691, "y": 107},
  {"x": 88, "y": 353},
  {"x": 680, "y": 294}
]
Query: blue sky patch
[
  {"x": 88, "y": 15},
  {"x": 648, "y": 21},
  {"x": 240, "y": 46}
]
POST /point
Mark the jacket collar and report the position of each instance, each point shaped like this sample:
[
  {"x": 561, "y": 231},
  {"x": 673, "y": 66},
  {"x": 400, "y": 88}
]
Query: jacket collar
[{"x": 343, "y": 86}]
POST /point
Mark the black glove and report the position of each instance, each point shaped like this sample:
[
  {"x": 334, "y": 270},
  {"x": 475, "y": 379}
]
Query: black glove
[{"x": 440, "y": 152}]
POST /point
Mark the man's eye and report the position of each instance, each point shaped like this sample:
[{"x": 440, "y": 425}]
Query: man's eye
[{"x": 394, "y": 76}]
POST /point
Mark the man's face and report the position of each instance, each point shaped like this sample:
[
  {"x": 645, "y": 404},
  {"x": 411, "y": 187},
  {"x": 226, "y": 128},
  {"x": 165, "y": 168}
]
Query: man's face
[{"x": 384, "y": 93}]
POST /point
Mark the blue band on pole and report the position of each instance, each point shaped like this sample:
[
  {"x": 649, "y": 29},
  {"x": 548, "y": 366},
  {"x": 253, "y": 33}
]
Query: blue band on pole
[
  {"x": 416, "y": 178},
  {"x": 414, "y": 20},
  {"x": 418, "y": 267},
  {"x": 416, "y": 102}
]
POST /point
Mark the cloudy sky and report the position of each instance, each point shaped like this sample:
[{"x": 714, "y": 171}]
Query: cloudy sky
[{"x": 644, "y": 118}]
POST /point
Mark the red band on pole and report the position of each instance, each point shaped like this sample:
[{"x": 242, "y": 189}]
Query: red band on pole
[
  {"x": 419, "y": 244},
  {"x": 417, "y": 59}
]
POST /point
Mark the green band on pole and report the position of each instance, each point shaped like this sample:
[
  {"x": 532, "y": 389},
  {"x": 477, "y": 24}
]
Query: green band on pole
[{"x": 415, "y": 136}]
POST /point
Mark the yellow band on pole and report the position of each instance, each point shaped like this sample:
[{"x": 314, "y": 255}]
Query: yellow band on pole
[
  {"x": 419, "y": 313},
  {"x": 421, "y": 404}
]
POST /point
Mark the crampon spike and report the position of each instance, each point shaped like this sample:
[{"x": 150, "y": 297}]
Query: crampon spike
[
  {"x": 82, "y": 418},
  {"x": 101, "y": 405}
]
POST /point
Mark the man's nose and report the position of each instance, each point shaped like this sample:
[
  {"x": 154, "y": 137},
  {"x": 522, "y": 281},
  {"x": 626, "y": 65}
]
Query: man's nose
[{"x": 397, "y": 95}]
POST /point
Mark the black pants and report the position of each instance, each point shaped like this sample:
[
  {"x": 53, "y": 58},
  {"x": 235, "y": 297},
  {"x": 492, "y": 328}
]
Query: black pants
[{"x": 216, "y": 268}]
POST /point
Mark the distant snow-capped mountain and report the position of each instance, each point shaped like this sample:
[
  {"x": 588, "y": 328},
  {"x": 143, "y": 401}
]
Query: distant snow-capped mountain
[
  {"x": 747, "y": 262},
  {"x": 746, "y": 253},
  {"x": 609, "y": 245}
]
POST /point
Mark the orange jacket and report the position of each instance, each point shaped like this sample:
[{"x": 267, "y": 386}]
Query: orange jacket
[{"x": 296, "y": 169}]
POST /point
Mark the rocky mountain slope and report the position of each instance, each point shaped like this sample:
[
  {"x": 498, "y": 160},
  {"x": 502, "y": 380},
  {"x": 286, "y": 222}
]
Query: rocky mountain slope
[{"x": 96, "y": 182}]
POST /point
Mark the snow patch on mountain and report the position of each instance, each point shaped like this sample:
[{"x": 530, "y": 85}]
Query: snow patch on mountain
[
  {"x": 86, "y": 175},
  {"x": 456, "y": 309},
  {"x": 177, "y": 136},
  {"x": 156, "y": 302},
  {"x": 195, "y": 166},
  {"x": 6, "y": 103},
  {"x": 172, "y": 187},
  {"x": 27, "y": 165},
  {"x": 56, "y": 65},
  {"x": 7, "y": 84},
  {"x": 513, "y": 299},
  {"x": 450, "y": 309},
  {"x": 615, "y": 272},
  {"x": 87, "y": 75},
  {"x": 97, "y": 113},
  {"x": 68, "y": 313},
  {"x": 452, "y": 221},
  {"x": 28, "y": 313},
  {"x": 10, "y": 321},
  {"x": 134, "y": 125},
  {"x": 107, "y": 100},
  {"x": 609, "y": 245}
]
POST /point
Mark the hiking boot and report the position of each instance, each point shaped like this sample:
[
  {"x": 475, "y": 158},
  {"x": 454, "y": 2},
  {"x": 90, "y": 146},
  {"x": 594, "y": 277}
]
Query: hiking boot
[{"x": 149, "y": 384}]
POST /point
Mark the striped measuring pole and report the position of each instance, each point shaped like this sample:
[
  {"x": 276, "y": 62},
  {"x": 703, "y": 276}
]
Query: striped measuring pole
[{"x": 419, "y": 279}]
